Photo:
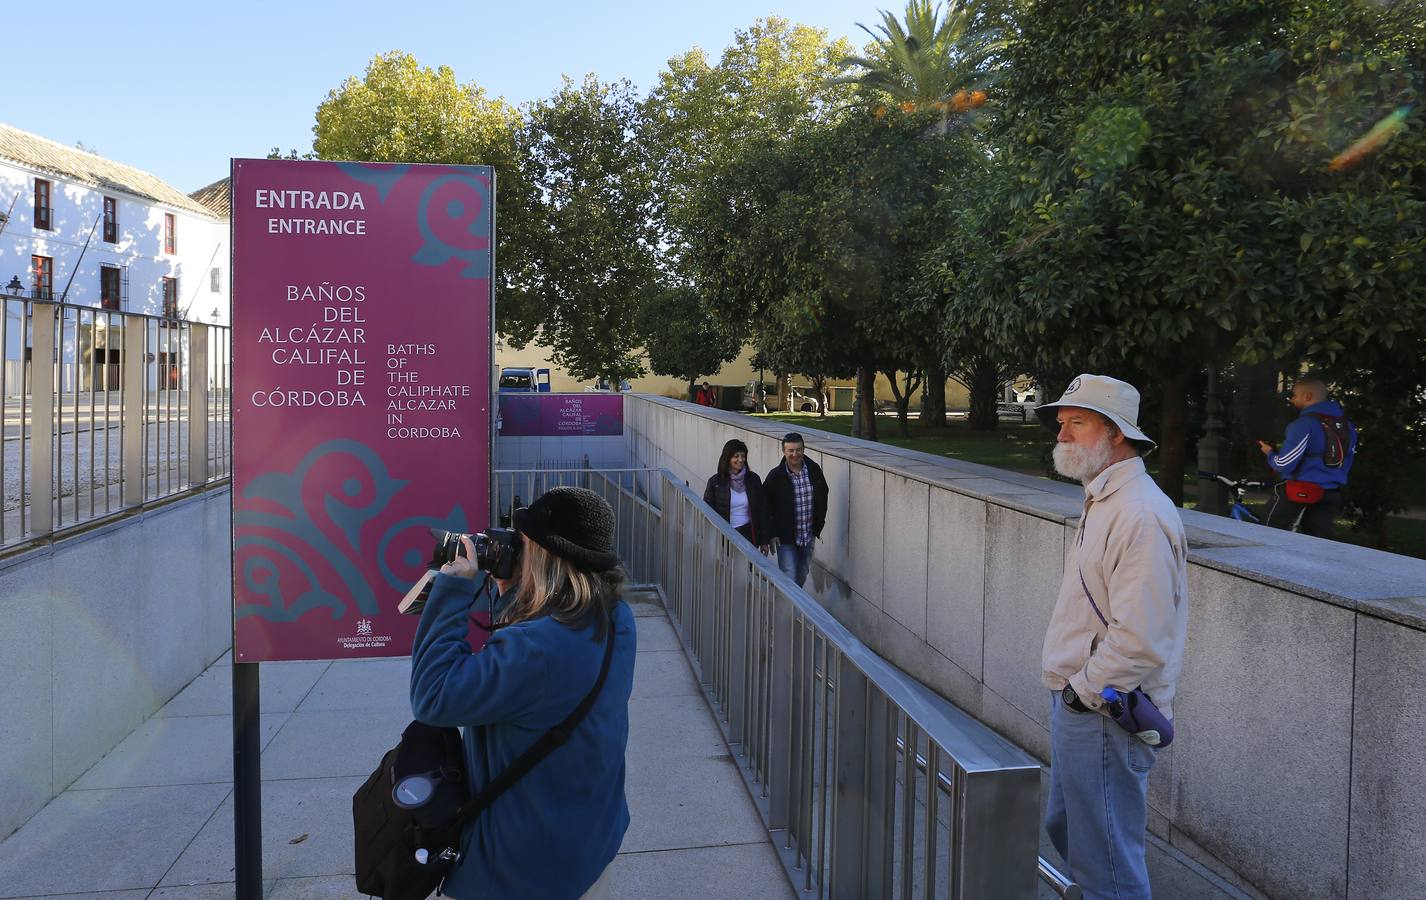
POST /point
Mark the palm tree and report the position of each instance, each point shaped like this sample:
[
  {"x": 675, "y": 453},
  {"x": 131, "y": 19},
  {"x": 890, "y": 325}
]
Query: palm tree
[{"x": 927, "y": 58}]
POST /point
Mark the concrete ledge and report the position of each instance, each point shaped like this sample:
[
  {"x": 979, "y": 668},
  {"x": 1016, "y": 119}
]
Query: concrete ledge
[
  {"x": 1297, "y": 763},
  {"x": 86, "y": 665}
]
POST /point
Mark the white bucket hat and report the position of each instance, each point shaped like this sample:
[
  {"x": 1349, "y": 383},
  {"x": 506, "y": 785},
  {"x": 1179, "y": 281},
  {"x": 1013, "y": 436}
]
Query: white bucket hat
[{"x": 1117, "y": 400}]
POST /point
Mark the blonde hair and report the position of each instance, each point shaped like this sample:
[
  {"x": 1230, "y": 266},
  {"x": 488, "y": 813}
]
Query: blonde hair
[{"x": 553, "y": 586}]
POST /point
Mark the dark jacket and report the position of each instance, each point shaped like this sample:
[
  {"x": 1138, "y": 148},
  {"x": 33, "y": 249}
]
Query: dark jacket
[
  {"x": 782, "y": 501},
  {"x": 718, "y": 495},
  {"x": 1300, "y": 457}
]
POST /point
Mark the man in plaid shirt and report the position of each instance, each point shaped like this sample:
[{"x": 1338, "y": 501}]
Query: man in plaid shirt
[{"x": 797, "y": 500}]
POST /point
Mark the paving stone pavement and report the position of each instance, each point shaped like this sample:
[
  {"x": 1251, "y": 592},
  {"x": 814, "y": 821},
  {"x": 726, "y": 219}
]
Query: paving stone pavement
[{"x": 153, "y": 820}]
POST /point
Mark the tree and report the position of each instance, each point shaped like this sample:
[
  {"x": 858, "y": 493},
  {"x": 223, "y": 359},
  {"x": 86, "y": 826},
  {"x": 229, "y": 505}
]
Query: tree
[
  {"x": 591, "y": 240},
  {"x": 701, "y": 120},
  {"x": 401, "y": 111},
  {"x": 923, "y": 58},
  {"x": 1163, "y": 196},
  {"x": 681, "y": 339},
  {"x": 914, "y": 67}
]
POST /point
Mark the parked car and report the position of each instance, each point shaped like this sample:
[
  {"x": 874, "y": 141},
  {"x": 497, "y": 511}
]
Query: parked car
[
  {"x": 802, "y": 399},
  {"x": 1014, "y": 412},
  {"x": 1022, "y": 408},
  {"x": 524, "y": 379},
  {"x": 756, "y": 394}
]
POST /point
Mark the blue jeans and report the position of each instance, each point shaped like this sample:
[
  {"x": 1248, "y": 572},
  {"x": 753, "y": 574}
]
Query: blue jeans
[
  {"x": 794, "y": 561},
  {"x": 1098, "y": 809}
]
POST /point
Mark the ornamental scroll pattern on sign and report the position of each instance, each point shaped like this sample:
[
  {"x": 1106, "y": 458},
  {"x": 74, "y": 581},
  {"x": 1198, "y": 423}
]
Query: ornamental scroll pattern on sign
[
  {"x": 320, "y": 511},
  {"x": 453, "y": 216}
]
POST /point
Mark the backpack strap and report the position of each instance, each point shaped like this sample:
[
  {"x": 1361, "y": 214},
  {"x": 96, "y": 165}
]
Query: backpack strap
[
  {"x": 548, "y": 743},
  {"x": 1330, "y": 426}
]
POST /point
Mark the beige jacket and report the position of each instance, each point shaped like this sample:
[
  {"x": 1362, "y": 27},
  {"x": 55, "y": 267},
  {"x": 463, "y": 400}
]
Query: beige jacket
[{"x": 1132, "y": 553}]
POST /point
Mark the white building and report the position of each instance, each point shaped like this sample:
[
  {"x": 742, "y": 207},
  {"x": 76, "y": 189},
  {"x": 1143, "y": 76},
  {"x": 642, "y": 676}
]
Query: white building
[
  {"x": 77, "y": 227},
  {"x": 151, "y": 248}
]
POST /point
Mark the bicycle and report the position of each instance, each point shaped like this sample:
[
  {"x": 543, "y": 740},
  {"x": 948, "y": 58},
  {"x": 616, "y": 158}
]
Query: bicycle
[{"x": 1239, "y": 510}]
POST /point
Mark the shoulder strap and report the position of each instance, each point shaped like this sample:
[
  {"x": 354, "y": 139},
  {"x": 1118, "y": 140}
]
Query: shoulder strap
[
  {"x": 548, "y": 743},
  {"x": 1335, "y": 453},
  {"x": 1087, "y": 594}
]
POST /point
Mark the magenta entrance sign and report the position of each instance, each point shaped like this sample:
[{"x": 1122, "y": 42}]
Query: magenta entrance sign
[{"x": 361, "y": 394}]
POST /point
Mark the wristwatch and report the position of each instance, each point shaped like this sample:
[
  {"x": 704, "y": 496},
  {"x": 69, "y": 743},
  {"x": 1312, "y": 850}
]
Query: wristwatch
[{"x": 1071, "y": 699}]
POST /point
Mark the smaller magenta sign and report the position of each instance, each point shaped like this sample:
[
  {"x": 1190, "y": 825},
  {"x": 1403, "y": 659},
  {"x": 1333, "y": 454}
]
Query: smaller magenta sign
[{"x": 561, "y": 415}]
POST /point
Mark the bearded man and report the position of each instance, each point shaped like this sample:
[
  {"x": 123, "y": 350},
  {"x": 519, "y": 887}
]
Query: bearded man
[{"x": 1119, "y": 622}]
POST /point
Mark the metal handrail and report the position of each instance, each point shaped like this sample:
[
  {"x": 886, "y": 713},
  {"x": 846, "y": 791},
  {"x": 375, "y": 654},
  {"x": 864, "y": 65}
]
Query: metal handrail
[
  {"x": 115, "y": 421},
  {"x": 820, "y": 724},
  {"x": 821, "y": 762}
]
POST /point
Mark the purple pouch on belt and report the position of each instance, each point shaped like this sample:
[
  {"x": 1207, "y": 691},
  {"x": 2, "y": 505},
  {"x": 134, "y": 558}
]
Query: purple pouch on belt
[{"x": 1137, "y": 714}]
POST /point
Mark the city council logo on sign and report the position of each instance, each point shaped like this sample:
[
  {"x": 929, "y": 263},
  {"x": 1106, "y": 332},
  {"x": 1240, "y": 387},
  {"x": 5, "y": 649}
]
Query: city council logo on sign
[{"x": 363, "y": 627}]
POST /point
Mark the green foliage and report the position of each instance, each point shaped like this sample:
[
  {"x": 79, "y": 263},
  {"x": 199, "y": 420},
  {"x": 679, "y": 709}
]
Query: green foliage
[
  {"x": 401, "y": 111},
  {"x": 591, "y": 239},
  {"x": 680, "y": 338},
  {"x": 926, "y": 57},
  {"x": 1161, "y": 195}
]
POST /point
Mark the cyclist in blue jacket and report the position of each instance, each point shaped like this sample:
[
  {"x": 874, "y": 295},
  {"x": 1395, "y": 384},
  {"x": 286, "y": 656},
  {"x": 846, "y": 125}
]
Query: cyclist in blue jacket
[{"x": 1314, "y": 462}]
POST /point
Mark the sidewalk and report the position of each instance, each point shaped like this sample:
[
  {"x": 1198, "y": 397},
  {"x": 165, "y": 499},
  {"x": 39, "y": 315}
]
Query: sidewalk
[{"x": 154, "y": 818}]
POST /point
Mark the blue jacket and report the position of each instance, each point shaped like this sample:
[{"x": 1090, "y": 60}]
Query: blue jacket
[
  {"x": 1300, "y": 457},
  {"x": 554, "y": 832}
]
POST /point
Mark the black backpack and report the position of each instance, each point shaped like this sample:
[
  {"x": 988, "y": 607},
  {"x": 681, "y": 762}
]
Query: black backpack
[
  {"x": 409, "y": 815},
  {"x": 1338, "y": 432}
]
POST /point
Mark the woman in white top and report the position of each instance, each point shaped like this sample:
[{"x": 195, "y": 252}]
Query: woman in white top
[{"x": 736, "y": 494}]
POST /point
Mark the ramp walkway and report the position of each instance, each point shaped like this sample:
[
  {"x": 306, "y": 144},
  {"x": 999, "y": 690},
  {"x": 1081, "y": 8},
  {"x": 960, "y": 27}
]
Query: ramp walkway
[{"x": 154, "y": 818}]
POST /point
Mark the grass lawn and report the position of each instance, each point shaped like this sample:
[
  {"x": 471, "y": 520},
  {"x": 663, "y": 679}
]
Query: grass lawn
[
  {"x": 1016, "y": 447},
  {"x": 1021, "y": 448}
]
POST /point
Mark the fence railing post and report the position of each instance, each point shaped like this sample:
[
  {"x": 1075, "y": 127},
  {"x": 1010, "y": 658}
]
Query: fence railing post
[
  {"x": 780, "y": 715},
  {"x": 849, "y": 790},
  {"x": 198, "y": 405},
  {"x": 135, "y": 394},
  {"x": 1002, "y": 811},
  {"x": 43, "y": 486},
  {"x": 880, "y": 793},
  {"x": 738, "y": 600}
]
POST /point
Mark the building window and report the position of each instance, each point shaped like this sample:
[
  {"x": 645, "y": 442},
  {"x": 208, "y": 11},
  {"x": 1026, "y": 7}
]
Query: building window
[
  {"x": 42, "y": 204},
  {"x": 111, "y": 220},
  {"x": 215, "y": 280},
  {"x": 170, "y": 233},
  {"x": 170, "y": 298},
  {"x": 42, "y": 277},
  {"x": 109, "y": 294}
]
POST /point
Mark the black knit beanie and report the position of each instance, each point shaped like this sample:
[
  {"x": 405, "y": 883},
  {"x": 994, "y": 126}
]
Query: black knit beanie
[{"x": 572, "y": 523}]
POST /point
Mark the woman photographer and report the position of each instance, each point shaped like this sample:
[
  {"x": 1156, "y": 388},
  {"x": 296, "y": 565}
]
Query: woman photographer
[
  {"x": 736, "y": 493},
  {"x": 554, "y": 833}
]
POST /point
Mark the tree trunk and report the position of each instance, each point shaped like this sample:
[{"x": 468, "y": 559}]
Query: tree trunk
[
  {"x": 935, "y": 388},
  {"x": 782, "y": 391},
  {"x": 693, "y": 390},
  {"x": 819, "y": 388},
  {"x": 866, "y": 400},
  {"x": 985, "y": 386},
  {"x": 1173, "y": 436}
]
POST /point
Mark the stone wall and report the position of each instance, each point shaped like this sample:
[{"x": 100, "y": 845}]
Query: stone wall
[
  {"x": 99, "y": 631},
  {"x": 1299, "y": 764}
]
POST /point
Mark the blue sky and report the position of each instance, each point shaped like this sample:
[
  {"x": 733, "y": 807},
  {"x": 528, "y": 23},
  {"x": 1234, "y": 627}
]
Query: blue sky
[{"x": 176, "y": 88}]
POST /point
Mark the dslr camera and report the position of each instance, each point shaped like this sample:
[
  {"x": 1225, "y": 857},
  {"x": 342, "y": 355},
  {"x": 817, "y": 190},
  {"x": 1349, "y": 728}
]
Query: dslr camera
[{"x": 497, "y": 551}]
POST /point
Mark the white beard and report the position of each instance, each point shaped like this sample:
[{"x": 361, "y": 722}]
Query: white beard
[{"x": 1083, "y": 463}]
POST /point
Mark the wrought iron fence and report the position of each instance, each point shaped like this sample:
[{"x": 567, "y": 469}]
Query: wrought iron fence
[
  {"x": 105, "y": 412},
  {"x": 870, "y": 785}
]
